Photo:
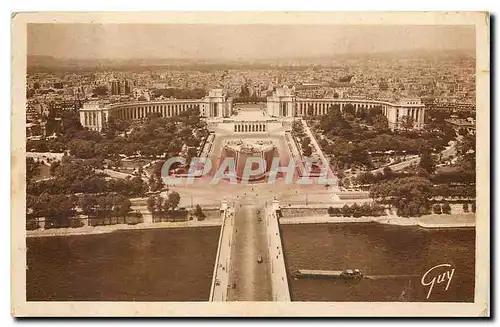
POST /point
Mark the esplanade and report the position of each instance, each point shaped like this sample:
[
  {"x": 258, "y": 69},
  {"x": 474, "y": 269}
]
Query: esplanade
[{"x": 217, "y": 105}]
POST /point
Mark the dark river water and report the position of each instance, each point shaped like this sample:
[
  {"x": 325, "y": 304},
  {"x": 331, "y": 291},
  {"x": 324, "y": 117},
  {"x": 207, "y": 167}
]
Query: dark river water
[
  {"x": 143, "y": 265},
  {"x": 397, "y": 258}
]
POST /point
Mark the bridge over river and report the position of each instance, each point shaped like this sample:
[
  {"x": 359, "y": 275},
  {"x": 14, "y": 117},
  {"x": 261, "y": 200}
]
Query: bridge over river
[{"x": 249, "y": 264}]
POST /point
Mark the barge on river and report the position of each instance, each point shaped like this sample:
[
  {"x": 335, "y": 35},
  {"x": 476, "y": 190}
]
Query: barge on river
[{"x": 331, "y": 274}]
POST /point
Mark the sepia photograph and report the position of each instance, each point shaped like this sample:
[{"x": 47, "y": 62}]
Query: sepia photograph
[{"x": 250, "y": 164}]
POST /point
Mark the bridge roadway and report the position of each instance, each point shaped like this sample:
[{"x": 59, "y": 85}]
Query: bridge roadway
[{"x": 248, "y": 279}]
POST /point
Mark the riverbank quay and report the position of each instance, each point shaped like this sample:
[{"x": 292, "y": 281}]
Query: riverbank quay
[
  {"x": 427, "y": 221},
  {"x": 90, "y": 230}
]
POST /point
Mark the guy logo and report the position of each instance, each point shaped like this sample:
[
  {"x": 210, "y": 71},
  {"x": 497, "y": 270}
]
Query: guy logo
[{"x": 431, "y": 277}]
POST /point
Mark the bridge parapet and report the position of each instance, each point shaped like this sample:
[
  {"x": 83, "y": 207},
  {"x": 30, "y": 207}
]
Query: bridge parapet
[
  {"x": 279, "y": 279},
  {"x": 220, "y": 277}
]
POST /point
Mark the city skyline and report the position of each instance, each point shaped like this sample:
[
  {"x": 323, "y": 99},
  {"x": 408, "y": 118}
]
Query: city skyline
[{"x": 225, "y": 42}]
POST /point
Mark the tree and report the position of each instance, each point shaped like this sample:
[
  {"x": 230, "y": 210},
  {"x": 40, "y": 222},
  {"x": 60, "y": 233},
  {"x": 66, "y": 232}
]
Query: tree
[
  {"x": 427, "y": 162},
  {"x": 53, "y": 167},
  {"x": 158, "y": 204},
  {"x": 82, "y": 148},
  {"x": 388, "y": 173},
  {"x": 32, "y": 168},
  {"x": 323, "y": 143},
  {"x": 104, "y": 206},
  {"x": 406, "y": 122},
  {"x": 40, "y": 205},
  {"x": 465, "y": 207},
  {"x": 244, "y": 93},
  {"x": 467, "y": 145},
  {"x": 198, "y": 212},
  {"x": 349, "y": 117},
  {"x": 70, "y": 122},
  {"x": 305, "y": 142},
  {"x": 136, "y": 186},
  {"x": 349, "y": 109},
  {"x": 307, "y": 151},
  {"x": 346, "y": 211},
  {"x": 153, "y": 183},
  {"x": 151, "y": 202},
  {"x": 366, "y": 178},
  {"x": 121, "y": 206},
  {"x": 173, "y": 200},
  {"x": 165, "y": 207},
  {"x": 37, "y": 145},
  {"x": 372, "y": 113},
  {"x": 115, "y": 125},
  {"x": 446, "y": 208},
  {"x": 367, "y": 210},
  {"x": 473, "y": 207},
  {"x": 410, "y": 195},
  {"x": 333, "y": 121},
  {"x": 298, "y": 129},
  {"x": 380, "y": 123},
  {"x": 191, "y": 152},
  {"x": 356, "y": 210},
  {"x": 87, "y": 203},
  {"x": 437, "y": 209},
  {"x": 462, "y": 131},
  {"x": 62, "y": 207}
]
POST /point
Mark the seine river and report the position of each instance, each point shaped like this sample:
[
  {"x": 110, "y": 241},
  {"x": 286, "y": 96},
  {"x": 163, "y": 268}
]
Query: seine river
[
  {"x": 177, "y": 264},
  {"x": 142, "y": 265},
  {"x": 396, "y": 257}
]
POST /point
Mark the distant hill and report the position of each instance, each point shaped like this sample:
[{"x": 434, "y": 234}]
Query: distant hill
[{"x": 35, "y": 63}]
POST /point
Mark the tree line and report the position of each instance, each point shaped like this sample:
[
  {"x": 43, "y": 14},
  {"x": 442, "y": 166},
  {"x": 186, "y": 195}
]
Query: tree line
[
  {"x": 152, "y": 137},
  {"x": 61, "y": 210},
  {"x": 77, "y": 176},
  {"x": 161, "y": 208},
  {"x": 356, "y": 210}
]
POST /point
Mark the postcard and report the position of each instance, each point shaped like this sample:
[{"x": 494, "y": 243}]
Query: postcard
[{"x": 250, "y": 164}]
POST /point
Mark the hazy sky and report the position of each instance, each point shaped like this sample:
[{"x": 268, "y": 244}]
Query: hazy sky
[{"x": 126, "y": 41}]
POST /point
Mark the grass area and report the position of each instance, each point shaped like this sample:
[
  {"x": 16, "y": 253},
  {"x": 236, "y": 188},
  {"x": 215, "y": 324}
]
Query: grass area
[
  {"x": 131, "y": 164},
  {"x": 446, "y": 169},
  {"x": 43, "y": 172}
]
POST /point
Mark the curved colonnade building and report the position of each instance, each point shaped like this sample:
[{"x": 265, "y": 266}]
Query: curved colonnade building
[
  {"x": 94, "y": 115},
  {"x": 217, "y": 104},
  {"x": 284, "y": 104}
]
